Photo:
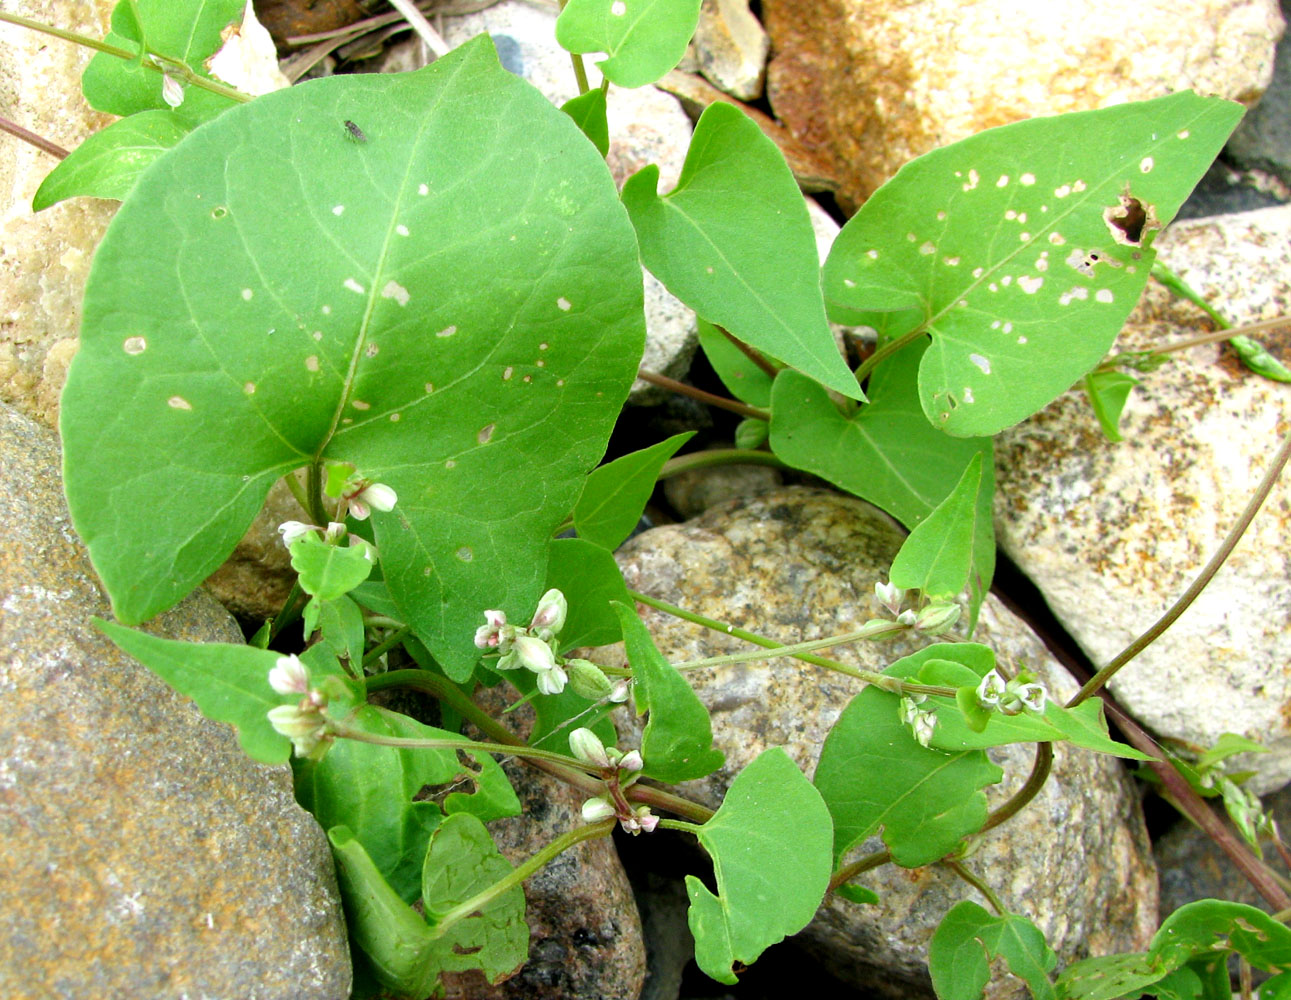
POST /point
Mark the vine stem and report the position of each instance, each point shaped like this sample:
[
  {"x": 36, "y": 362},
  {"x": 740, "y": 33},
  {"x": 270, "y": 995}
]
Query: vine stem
[
  {"x": 1198, "y": 585},
  {"x": 28, "y": 136},
  {"x": 996, "y": 905},
  {"x": 800, "y": 651},
  {"x": 858, "y": 867},
  {"x": 177, "y": 66},
  {"x": 751, "y": 353},
  {"x": 721, "y": 402},
  {"x": 345, "y": 732},
  {"x": 714, "y": 457},
  {"x": 518, "y": 875}
]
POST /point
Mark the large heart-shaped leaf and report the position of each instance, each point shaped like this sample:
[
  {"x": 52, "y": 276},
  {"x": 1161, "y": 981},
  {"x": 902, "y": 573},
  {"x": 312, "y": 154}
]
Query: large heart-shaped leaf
[
  {"x": 644, "y": 38},
  {"x": 453, "y": 307},
  {"x": 1022, "y": 249}
]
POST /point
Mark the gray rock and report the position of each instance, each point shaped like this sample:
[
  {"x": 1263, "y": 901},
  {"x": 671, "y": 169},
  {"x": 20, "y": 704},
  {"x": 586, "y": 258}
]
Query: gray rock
[
  {"x": 731, "y": 48},
  {"x": 1263, "y": 140},
  {"x": 694, "y": 491},
  {"x": 142, "y": 853},
  {"x": 1113, "y": 534},
  {"x": 646, "y": 126},
  {"x": 799, "y": 564}
]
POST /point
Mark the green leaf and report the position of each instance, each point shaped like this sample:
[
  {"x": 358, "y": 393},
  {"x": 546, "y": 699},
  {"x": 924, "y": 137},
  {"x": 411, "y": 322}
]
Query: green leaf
[
  {"x": 751, "y": 434},
  {"x": 937, "y": 556},
  {"x": 969, "y": 938},
  {"x": 1110, "y": 977},
  {"x": 588, "y": 112},
  {"x": 1228, "y": 745},
  {"x": 1277, "y": 988},
  {"x": 187, "y": 32},
  {"x": 229, "y": 682},
  {"x": 1108, "y": 392},
  {"x": 370, "y": 789},
  {"x": 764, "y": 892},
  {"x": 462, "y": 862},
  {"x": 874, "y": 776},
  {"x": 733, "y": 241},
  {"x": 745, "y": 380},
  {"x": 677, "y": 744},
  {"x": 1213, "y": 927},
  {"x": 643, "y": 38},
  {"x": 107, "y": 164},
  {"x": 396, "y": 941},
  {"x": 341, "y": 623},
  {"x": 591, "y": 581},
  {"x": 255, "y": 303},
  {"x": 1006, "y": 247},
  {"x": 328, "y": 571},
  {"x": 857, "y": 894},
  {"x": 617, "y": 492},
  {"x": 886, "y": 452}
]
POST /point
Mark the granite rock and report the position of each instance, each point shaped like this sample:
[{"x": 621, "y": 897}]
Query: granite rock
[
  {"x": 1112, "y": 534},
  {"x": 142, "y": 853},
  {"x": 1263, "y": 139},
  {"x": 731, "y": 48},
  {"x": 45, "y": 256},
  {"x": 801, "y": 563},
  {"x": 871, "y": 84}
]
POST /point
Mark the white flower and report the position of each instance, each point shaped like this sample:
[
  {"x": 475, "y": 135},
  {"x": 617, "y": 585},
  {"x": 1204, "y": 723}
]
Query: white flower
[
  {"x": 289, "y": 676},
  {"x": 922, "y": 726},
  {"x": 889, "y": 595},
  {"x": 550, "y": 616},
  {"x": 530, "y": 653},
  {"x": 368, "y": 497},
  {"x": 641, "y": 820},
  {"x": 1032, "y": 696},
  {"x": 292, "y": 530},
  {"x": 597, "y": 809},
  {"x": 991, "y": 690},
  {"x": 172, "y": 91},
  {"x": 305, "y": 727},
  {"x": 552, "y": 681},
  {"x": 491, "y": 634},
  {"x": 619, "y": 693}
]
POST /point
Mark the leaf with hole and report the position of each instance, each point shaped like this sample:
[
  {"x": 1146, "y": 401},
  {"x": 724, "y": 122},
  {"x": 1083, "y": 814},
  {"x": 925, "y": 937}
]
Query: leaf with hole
[
  {"x": 273, "y": 293},
  {"x": 733, "y": 241},
  {"x": 886, "y": 452},
  {"x": 764, "y": 892},
  {"x": 107, "y": 163},
  {"x": 969, "y": 938},
  {"x": 1022, "y": 249},
  {"x": 187, "y": 32},
  {"x": 644, "y": 39}
]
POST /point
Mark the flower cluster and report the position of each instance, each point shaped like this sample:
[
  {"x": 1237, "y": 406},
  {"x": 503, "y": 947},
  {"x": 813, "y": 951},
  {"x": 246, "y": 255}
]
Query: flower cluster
[
  {"x": 303, "y": 723},
  {"x": 619, "y": 769},
  {"x": 921, "y": 721},
  {"x": 932, "y": 619},
  {"x": 1011, "y": 697}
]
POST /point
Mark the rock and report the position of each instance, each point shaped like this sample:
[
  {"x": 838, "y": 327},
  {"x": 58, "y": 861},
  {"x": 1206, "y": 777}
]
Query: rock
[
  {"x": 1263, "y": 139},
  {"x": 731, "y": 48},
  {"x": 801, "y": 563},
  {"x": 144, "y": 855},
  {"x": 694, "y": 491},
  {"x": 646, "y": 126},
  {"x": 585, "y": 935},
  {"x": 871, "y": 85},
  {"x": 253, "y": 583},
  {"x": 1113, "y": 534},
  {"x": 44, "y": 257}
]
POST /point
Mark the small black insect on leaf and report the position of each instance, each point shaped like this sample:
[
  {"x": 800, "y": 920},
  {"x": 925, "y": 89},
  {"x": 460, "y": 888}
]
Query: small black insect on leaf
[{"x": 355, "y": 132}]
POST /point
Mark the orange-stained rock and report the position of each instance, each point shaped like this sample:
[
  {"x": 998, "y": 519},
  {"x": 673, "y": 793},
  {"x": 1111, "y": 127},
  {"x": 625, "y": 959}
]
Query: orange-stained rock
[
  {"x": 143, "y": 856},
  {"x": 871, "y": 84}
]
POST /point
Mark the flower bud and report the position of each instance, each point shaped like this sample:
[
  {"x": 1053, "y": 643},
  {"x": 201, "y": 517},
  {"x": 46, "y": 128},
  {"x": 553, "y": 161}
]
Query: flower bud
[
  {"x": 552, "y": 681},
  {"x": 619, "y": 693},
  {"x": 334, "y": 533},
  {"x": 923, "y": 725},
  {"x": 631, "y": 761},
  {"x": 641, "y": 820},
  {"x": 587, "y": 680},
  {"x": 552, "y": 608},
  {"x": 937, "y": 618},
  {"x": 534, "y": 654},
  {"x": 890, "y": 596},
  {"x": 588, "y": 748},
  {"x": 597, "y": 809},
  {"x": 292, "y": 530},
  {"x": 305, "y": 727},
  {"x": 907, "y": 618},
  {"x": 289, "y": 676},
  {"x": 172, "y": 91}
]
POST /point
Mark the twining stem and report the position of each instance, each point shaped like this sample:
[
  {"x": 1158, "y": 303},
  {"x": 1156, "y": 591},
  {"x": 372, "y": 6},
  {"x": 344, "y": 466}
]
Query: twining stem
[
  {"x": 1041, "y": 765},
  {"x": 857, "y": 867},
  {"x": 172, "y": 65},
  {"x": 1202, "y": 339},
  {"x": 339, "y": 729},
  {"x": 973, "y": 880},
  {"x": 885, "y": 351},
  {"x": 518, "y": 875},
  {"x": 721, "y": 402},
  {"x": 682, "y": 825},
  {"x": 386, "y": 644},
  {"x": 314, "y": 494},
  {"x": 1198, "y": 585},
  {"x": 800, "y": 651},
  {"x": 714, "y": 457},
  {"x": 30, "y": 137}
]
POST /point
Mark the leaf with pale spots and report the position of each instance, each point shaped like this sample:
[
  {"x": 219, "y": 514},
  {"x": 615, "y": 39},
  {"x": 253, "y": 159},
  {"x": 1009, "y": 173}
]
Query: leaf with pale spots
[
  {"x": 733, "y": 241},
  {"x": 643, "y": 39},
  {"x": 1021, "y": 250},
  {"x": 273, "y": 292},
  {"x": 765, "y": 889}
]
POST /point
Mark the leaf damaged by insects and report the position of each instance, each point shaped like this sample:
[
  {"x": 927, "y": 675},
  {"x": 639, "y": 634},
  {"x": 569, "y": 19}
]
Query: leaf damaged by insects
[{"x": 1130, "y": 221}]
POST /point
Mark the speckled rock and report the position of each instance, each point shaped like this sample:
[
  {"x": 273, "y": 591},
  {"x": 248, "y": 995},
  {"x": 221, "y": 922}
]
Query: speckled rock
[
  {"x": 45, "y": 257},
  {"x": 801, "y": 563},
  {"x": 731, "y": 48},
  {"x": 585, "y": 935},
  {"x": 1263, "y": 139},
  {"x": 255, "y": 580},
  {"x": 646, "y": 126},
  {"x": 1113, "y": 534},
  {"x": 694, "y": 491},
  {"x": 143, "y": 855},
  {"x": 871, "y": 84}
]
